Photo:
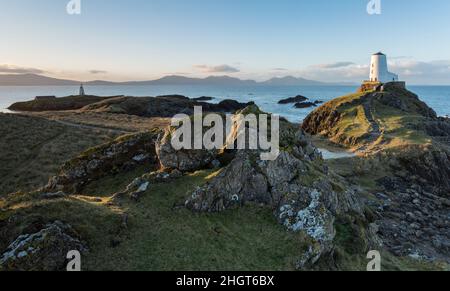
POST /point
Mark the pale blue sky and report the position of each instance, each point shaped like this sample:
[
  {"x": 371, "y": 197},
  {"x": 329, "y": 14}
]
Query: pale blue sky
[{"x": 329, "y": 40}]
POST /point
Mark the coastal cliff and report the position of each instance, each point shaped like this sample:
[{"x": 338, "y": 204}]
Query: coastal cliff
[{"x": 403, "y": 163}]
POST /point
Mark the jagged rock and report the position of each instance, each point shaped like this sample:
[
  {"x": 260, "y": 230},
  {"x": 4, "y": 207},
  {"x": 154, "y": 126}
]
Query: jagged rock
[
  {"x": 182, "y": 160},
  {"x": 45, "y": 250},
  {"x": 432, "y": 165},
  {"x": 315, "y": 220},
  {"x": 285, "y": 185},
  {"x": 123, "y": 154},
  {"x": 296, "y": 99},
  {"x": 203, "y": 98}
]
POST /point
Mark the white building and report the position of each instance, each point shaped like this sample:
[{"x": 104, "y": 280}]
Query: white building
[
  {"x": 82, "y": 93},
  {"x": 379, "y": 69}
]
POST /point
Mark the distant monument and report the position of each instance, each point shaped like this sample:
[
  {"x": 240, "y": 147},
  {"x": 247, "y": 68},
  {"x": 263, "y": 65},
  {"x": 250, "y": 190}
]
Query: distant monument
[
  {"x": 380, "y": 75},
  {"x": 82, "y": 90}
]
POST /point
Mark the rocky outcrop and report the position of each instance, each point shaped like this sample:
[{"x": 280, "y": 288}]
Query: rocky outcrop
[
  {"x": 296, "y": 186},
  {"x": 428, "y": 167},
  {"x": 332, "y": 118},
  {"x": 123, "y": 154},
  {"x": 301, "y": 105},
  {"x": 404, "y": 100},
  {"x": 203, "y": 98},
  {"x": 57, "y": 104},
  {"x": 162, "y": 106},
  {"x": 296, "y": 99},
  {"x": 411, "y": 213},
  {"x": 45, "y": 250},
  {"x": 182, "y": 160}
]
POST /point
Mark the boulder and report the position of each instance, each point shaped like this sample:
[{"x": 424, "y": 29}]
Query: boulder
[
  {"x": 296, "y": 99},
  {"x": 182, "y": 160},
  {"x": 45, "y": 250}
]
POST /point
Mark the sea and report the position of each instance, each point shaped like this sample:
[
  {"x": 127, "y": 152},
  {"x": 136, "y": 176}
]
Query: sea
[{"x": 266, "y": 97}]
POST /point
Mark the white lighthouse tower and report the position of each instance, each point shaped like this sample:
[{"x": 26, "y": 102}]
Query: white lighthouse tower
[
  {"x": 82, "y": 93},
  {"x": 379, "y": 70}
]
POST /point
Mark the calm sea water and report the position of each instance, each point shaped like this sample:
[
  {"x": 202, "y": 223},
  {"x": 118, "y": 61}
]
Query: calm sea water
[{"x": 267, "y": 97}]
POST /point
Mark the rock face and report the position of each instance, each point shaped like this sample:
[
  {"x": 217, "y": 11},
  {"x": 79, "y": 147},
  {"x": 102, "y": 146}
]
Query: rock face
[
  {"x": 412, "y": 221},
  {"x": 295, "y": 185},
  {"x": 365, "y": 109},
  {"x": 182, "y": 160},
  {"x": 430, "y": 168},
  {"x": 123, "y": 154},
  {"x": 296, "y": 99},
  {"x": 45, "y": 250}
]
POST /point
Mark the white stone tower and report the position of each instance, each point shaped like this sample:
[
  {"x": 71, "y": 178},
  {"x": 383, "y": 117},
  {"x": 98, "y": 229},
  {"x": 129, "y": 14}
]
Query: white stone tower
[
  {"x": 81, "y": 90},
  {"x": 379, "y": 69}
]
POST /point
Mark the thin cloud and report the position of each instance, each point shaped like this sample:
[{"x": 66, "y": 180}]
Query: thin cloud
[
  {"x": 280, "y": 69},
  {"x": 9, "y": 69},
  {"x": 335, "y": 65},
  {"x": 217, "y": 69},
  {"x": 97, "y": 72},
  {"x": 433, "y": 72}
]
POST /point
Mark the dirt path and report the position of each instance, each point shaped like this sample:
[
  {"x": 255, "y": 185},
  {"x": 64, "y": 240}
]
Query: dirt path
[{"x": 375, "y": 132}]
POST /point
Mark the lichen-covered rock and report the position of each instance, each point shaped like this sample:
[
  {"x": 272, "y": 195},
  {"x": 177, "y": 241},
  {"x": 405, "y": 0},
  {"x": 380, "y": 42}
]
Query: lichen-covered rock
[
  {"x": 315, "y": 220},
  {"x": 125, "y": 153},
  {"x": 295, "y": 185},
  {"x": 45, "y": 250}
]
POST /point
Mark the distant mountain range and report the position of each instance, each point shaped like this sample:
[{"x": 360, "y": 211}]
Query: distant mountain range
[{"x": 39, "y": 80}]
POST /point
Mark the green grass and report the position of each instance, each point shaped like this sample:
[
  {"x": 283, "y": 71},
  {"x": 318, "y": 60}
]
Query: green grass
[
  {"x": 161, "y": 237},
  {"x": 32, "y": 149},
  {"x": 397, "y": 126},
  {"x": 353, "y": 123}
]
